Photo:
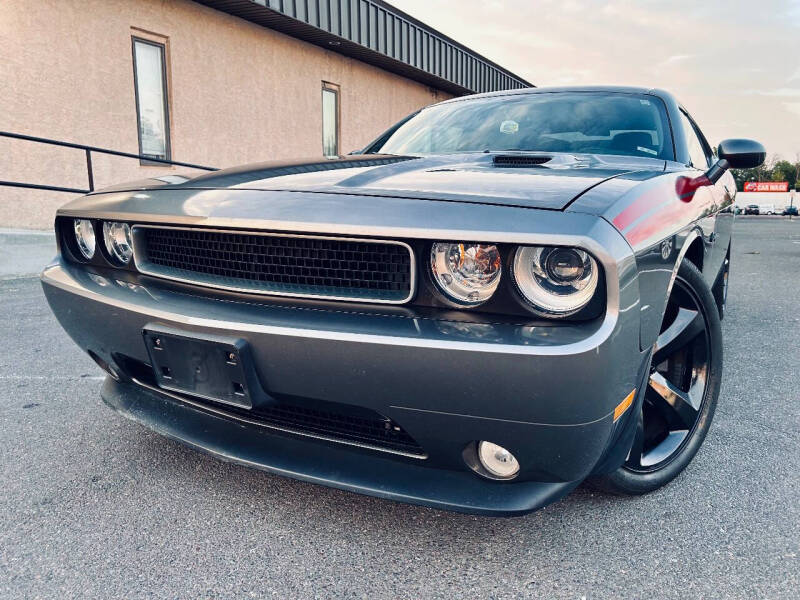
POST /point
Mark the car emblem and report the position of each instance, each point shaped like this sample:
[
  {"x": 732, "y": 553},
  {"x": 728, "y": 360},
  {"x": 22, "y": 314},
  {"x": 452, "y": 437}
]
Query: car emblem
[{"x": 666, "y": 248}]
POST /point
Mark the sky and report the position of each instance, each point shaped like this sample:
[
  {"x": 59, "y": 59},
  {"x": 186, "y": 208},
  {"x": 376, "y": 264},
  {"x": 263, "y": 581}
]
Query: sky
[{"x": 734, "y": 64}]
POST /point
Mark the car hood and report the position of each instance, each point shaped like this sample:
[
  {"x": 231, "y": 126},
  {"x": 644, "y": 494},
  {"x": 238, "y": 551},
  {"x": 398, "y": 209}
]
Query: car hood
[{"x": 527, "y": 180}]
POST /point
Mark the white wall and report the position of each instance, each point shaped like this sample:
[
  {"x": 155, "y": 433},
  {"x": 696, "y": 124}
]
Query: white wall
[{"x": 779, "y": 199}]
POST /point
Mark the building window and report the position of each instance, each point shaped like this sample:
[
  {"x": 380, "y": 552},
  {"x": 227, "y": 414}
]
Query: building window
[
  {"x": 152, "y": 111},
  {"x": 330, "y": 120}
]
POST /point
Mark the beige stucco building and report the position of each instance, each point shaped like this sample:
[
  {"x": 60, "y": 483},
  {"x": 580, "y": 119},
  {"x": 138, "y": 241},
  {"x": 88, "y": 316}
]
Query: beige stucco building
[{"x": 213, "y": 83}]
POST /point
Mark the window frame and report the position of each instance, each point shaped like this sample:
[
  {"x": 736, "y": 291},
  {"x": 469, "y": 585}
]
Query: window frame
[
  {"x": 336, "y": 91},
  {"x": 704, "y": 145},
  {"x": 165, "y": 98}
]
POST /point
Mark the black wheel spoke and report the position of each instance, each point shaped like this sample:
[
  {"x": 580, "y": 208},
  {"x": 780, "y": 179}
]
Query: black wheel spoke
[
  {"x": 662, "y": 451},
  {"x": 637, "y": 448},
  {"x": 678, "y": 407},
  {"x": 688, "y": 324}
]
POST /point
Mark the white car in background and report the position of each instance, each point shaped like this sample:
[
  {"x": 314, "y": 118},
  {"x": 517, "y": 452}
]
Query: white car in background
[{"x": 768, "y": 209}]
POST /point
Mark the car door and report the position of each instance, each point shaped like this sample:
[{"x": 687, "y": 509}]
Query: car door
[
  {"x": 724, "y": 194},
  {"x": 715, "y": 224}
]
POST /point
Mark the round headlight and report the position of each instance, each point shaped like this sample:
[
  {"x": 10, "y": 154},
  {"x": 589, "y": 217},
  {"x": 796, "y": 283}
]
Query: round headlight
[
  {"x": 555, "y": 281},
  {"x": 84, "y": 236},
  {"x": 117, "y": 237},
  {"x": 467, "y": 273}
]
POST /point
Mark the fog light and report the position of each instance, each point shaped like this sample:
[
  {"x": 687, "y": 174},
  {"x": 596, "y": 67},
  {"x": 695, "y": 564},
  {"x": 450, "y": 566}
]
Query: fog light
[{"x": 497, "y": 461}]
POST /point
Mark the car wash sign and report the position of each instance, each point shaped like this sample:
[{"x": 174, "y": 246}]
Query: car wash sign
[{"x": 766, "y": 186}]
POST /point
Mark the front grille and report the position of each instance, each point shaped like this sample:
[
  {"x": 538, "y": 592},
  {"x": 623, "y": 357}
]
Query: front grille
[{"x": 305, "y": 266}]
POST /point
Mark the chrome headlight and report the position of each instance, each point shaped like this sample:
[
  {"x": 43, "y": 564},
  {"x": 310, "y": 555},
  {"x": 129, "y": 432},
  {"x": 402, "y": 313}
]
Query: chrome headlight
[
  {"x": 84, "y": 237},
  {"x": 467, "y": 273},
  {"x": 117, "y": 237},
  {"x": 556, "y": 281}
]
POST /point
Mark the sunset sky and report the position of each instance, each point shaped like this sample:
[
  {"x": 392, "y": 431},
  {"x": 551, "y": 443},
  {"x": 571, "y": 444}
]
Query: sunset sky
[{"x": 735, "y": 65}]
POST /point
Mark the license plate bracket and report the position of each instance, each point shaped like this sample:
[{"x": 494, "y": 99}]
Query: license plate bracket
[{"x": 209, "y": 366}]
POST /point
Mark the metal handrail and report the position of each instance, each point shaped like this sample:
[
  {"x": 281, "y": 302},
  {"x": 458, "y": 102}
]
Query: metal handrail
[{"x": 89, "y": 173}]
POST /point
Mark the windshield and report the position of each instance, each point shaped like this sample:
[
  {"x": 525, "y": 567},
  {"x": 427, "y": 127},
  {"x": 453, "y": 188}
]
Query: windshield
[{"x": 576, "y": 122}]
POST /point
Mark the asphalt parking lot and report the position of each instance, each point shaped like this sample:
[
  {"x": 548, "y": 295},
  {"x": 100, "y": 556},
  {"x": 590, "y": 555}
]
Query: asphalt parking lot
[{"x": 92, "y": 505}]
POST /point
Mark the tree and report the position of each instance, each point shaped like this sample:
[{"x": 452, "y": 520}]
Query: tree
[
  {"x": 785, "y": 171},
  {"x": 773, "y": 169}
]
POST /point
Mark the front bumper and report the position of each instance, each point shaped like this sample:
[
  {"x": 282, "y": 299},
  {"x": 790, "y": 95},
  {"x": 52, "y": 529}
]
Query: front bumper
[
  {"x": 337, "y": 467},
  {"x": 546, "y": 393}
]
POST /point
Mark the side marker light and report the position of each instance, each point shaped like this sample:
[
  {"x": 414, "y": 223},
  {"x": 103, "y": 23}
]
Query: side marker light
[{"x": 624, "y": 405}]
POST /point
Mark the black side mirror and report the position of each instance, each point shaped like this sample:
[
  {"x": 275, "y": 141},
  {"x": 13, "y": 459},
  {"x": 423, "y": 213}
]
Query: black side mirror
[
  {"x": 742, "y": 154},
  {"x": 733, "y": 154},
  {"x": 736, "y": 154}
]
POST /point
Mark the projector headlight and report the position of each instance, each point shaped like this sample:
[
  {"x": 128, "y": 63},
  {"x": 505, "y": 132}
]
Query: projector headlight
[
  {"x": 467, "y": 273},
  {"x": 84, "y": 237},
  {"x": 117, "y": 237},
  {"x": 556, "y": 281}
]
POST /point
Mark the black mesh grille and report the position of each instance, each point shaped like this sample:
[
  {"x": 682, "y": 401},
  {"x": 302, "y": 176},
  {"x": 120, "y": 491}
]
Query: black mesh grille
[
  {"x": 276, "y": 264},
  {"x": 334, "y": 420},
  {"x": 340, "y": 422}
]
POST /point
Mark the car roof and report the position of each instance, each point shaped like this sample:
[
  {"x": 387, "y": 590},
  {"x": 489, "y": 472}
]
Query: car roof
[{"x": 550, "y": 90}]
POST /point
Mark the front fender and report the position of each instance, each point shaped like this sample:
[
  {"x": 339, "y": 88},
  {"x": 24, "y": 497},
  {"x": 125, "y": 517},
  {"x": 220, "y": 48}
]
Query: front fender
[{"x": 660, "y": 228}]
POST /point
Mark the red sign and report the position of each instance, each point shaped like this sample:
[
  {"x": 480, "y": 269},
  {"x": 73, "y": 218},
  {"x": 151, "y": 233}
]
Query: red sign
[{"x": 766, "y": 186}]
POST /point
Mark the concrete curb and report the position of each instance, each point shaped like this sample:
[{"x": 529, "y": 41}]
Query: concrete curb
[{"x": 25, "y": 252}]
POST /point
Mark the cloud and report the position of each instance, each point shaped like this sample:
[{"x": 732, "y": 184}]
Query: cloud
[
  {"x": 734, "y": 67},
  {"x": 793, "y": 107},
  {"x": 777, "y": 92},
  {"x": 675, "y": 59}
]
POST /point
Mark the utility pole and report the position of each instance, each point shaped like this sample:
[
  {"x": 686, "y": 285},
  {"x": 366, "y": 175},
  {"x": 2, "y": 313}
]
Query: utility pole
[
  {"x": 796, "y": 182},
  {"x": 796, "y": 178}
]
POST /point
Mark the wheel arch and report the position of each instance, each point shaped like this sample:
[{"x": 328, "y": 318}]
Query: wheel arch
[
  {"x": 695, "y": 253},
  {"x": 691, "y": 249}
]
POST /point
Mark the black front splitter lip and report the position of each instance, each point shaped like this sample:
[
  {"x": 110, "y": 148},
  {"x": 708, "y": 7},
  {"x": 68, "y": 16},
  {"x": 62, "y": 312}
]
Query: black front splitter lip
[{"x": 327, "y": 463}]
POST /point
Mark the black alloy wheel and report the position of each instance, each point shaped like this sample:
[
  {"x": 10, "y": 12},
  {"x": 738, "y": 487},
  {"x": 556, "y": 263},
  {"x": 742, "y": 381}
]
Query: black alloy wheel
[{"x": 678, "y": 403}]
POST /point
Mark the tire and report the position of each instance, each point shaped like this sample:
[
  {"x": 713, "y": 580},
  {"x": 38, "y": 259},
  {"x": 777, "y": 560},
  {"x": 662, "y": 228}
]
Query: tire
[
  {"x": 686, "y": 368},
  {"x": 720, "y": 289}
]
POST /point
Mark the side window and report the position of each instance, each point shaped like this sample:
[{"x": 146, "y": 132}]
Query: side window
[
  {"x": 150, "y": 85},
  {"x": 697, "y": 153},
  {"x": 330, "y": 120}
]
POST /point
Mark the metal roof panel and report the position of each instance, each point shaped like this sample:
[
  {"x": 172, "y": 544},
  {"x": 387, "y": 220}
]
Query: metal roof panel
[{"x": 375, "y": 32}]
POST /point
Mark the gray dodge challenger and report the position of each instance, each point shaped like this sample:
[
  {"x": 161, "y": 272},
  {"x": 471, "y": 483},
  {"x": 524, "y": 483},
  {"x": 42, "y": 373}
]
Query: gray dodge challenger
[{"x": 502, "y": 296}]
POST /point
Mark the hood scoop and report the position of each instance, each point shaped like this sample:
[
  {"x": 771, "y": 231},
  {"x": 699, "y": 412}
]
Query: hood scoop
[{"x": 519, "y": 160}]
